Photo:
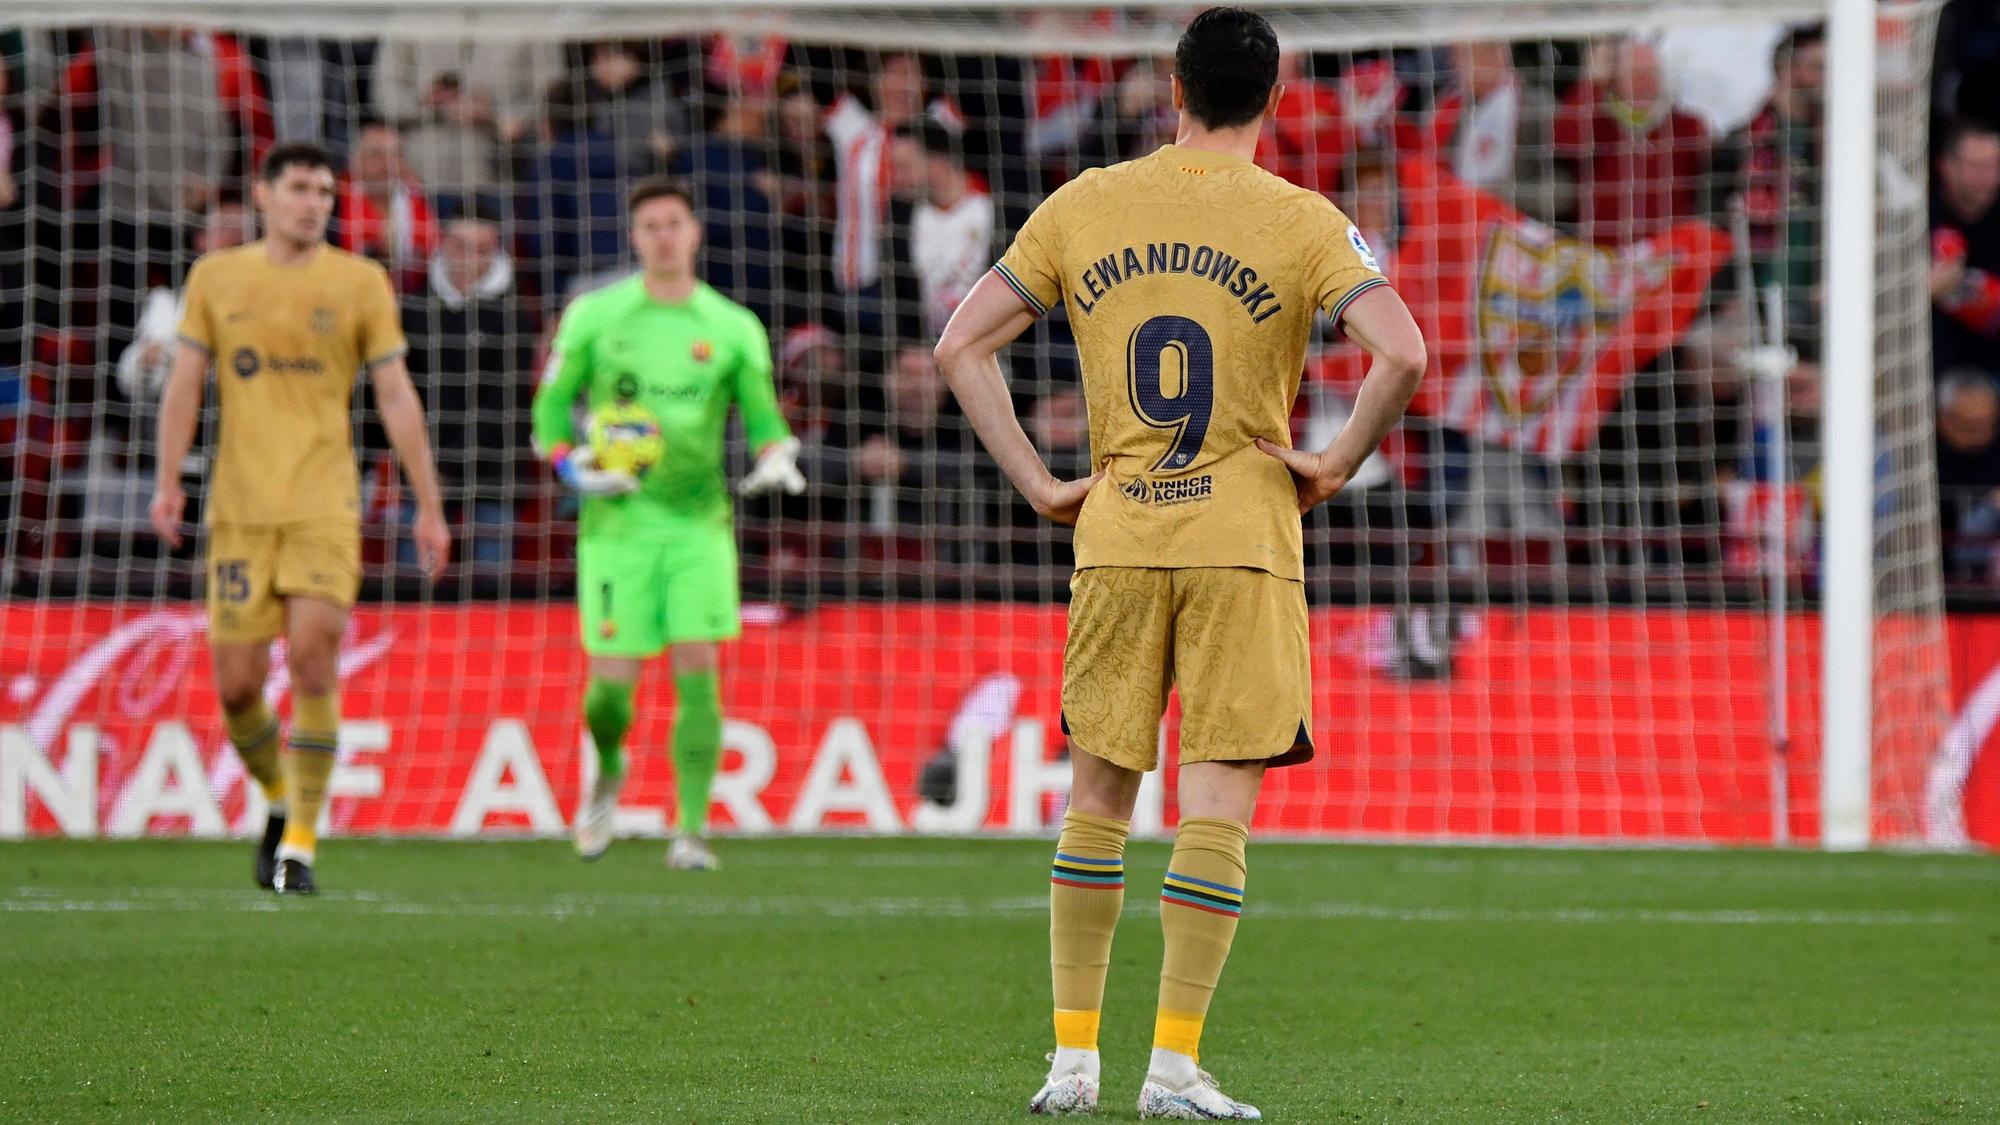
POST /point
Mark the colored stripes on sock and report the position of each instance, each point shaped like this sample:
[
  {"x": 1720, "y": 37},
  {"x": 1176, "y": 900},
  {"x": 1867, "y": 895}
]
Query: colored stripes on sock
[
  {"x": 1185, "y": 890},
  {"x": 1088, "y": 874},
  {"x": 254, "y": 732}
]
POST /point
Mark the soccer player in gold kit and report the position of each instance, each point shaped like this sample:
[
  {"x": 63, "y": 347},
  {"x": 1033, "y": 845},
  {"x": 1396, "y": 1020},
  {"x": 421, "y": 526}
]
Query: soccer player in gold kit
[
  {"x": 1192, "y": 280},
  {"x": 287, "y": 323}
]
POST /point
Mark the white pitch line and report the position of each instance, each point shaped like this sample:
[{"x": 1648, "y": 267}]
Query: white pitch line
[
  {"x": 158, "y": 900},
  {"x": 1554, "y": 864}
]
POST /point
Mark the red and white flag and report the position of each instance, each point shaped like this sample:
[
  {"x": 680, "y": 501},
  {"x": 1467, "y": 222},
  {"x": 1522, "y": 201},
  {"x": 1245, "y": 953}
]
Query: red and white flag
[{"x": 1533, "y": 335}]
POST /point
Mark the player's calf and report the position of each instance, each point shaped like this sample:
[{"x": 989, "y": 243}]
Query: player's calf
[
  {"x": 254, "y": 731},
  {"x": 309, "y": 758},
  {"x": 607, "y": 711}
]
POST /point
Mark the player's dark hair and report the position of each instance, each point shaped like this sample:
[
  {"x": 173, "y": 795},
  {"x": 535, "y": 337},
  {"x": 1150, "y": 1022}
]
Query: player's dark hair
[
  {"x": 1805, "y": 35},
  {"x": 650, "y": 188},
  {"x": 1227, "y": 62},
  {"x": 1957, "y": 131},
  {"x": 294, "y": 154},
  {"x": 940, "y": 139},
  {"x": 473, "y": 209}
]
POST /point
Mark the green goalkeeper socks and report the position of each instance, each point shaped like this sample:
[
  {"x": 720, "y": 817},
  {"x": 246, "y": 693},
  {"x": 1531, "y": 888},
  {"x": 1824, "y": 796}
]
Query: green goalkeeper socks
[
  {"x": 607, "y": 711},
  {"x": 697, "y": 746}
]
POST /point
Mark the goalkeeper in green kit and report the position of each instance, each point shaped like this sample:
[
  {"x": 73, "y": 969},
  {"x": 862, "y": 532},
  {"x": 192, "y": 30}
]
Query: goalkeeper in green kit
[{"x": 656, "y": 552}]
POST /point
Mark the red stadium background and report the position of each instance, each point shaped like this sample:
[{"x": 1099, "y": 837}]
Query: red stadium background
[{"x": 1602, "y": 724}]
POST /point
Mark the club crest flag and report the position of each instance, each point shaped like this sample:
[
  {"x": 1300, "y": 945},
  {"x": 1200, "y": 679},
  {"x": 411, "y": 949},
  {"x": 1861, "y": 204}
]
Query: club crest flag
[{"x": 1534, "y": 335}]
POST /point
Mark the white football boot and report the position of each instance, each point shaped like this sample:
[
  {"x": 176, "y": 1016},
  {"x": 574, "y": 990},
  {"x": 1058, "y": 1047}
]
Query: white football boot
[
  {"x": 596, "y": 820},
  {"x": 1071, "y": 1089},
  {"x": 691, "y": 853},
  {"x": 1178, "y": 1090}
]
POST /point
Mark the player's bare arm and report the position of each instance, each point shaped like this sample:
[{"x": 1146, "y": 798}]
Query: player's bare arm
[
  {"x": 403, "y": 418},
  {"x": 1381, "y": 324},
  {"x": 180, "y": 410},
  {"x": 968, "y": 353}
]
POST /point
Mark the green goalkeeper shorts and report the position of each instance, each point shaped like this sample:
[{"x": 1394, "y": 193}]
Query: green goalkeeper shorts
[{"x": 640, "y": 595}]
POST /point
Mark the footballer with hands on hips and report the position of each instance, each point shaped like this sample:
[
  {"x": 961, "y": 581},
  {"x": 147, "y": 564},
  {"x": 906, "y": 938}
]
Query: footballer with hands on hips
[
  {"x": 1192, "y": 279},
  {"x": 655, "y": 362},
  {"x": 287, "y": 322}
]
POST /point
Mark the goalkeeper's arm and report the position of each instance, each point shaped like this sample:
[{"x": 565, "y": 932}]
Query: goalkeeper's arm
[
  {"x": 555, "y": 430},
  {"x": 777, "y": 450}
]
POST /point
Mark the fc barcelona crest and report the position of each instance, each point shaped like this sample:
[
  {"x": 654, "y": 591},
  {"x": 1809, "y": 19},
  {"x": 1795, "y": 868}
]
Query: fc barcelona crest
[{"x": 702, "y": 351}]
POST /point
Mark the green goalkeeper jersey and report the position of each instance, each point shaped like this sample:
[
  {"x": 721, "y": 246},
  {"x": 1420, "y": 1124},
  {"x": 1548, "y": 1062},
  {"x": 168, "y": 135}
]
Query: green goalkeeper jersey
[{"x": 687, "y": 363}]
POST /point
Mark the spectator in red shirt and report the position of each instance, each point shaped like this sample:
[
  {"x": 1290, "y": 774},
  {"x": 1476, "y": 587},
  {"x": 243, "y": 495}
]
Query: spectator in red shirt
[
  {"x": 382, "y": 211},
  {"x": 1639, "y": 163}
]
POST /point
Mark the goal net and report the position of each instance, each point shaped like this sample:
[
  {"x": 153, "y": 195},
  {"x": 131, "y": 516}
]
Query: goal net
[{"x": 1573, "y": 598}]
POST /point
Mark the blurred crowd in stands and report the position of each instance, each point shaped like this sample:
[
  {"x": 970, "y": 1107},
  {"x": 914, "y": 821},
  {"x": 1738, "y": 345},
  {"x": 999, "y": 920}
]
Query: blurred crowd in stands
[{"x": 852, "y": 198}]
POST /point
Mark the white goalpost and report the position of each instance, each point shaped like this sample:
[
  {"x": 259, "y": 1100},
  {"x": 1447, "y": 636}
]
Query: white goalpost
[
  {"x": 1848, "y": 639},
  {"x": 1654, "y": 560}
]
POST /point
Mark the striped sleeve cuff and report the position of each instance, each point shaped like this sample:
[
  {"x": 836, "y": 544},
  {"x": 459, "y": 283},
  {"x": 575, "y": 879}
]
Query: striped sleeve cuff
[
  {"x": 1022, "y": 291},
  {"x": 191, "y": 342},
  {"x": 1340, "y": 309},
  {"x": 393, "y": 353}
]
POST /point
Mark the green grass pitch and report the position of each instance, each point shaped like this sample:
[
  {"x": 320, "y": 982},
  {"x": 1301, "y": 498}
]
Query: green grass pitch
[{"x": 906, "y": 980}]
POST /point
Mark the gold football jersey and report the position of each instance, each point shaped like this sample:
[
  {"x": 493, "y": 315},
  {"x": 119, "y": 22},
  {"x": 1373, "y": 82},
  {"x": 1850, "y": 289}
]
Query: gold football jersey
[
  {"x": 287, "y": 342},
  {"x": 1192, "y": 280}
]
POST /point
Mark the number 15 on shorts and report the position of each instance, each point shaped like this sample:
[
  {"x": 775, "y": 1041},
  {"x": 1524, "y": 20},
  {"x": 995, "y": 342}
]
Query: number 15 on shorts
[{"x": 232, "y": 580}]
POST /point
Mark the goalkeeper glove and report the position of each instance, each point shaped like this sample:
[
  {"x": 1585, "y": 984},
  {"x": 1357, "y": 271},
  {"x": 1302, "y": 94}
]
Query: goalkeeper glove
[
  {"x": 577, "y": 468},
  {"x": 777, "y": 467}
]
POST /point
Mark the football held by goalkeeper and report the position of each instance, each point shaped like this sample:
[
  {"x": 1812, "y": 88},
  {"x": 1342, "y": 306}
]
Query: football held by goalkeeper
[{"x": 655, "y": 361}]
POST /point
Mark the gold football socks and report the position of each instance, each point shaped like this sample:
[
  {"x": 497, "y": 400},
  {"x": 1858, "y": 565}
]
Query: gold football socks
[
  {"x": 310, "y": 754},
  {"x": 1086, "y": 895},
  {"x": 254, "y": 733},
  {"x": 1199, "y": 904}
]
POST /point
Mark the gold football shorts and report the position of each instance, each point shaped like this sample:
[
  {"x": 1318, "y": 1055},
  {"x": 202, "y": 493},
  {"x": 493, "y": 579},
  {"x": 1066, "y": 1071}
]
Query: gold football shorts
[
  {"x": 1233, "y": 639},
  {"x": 252, "y": 570}
]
